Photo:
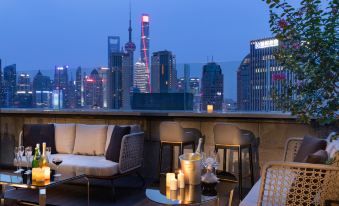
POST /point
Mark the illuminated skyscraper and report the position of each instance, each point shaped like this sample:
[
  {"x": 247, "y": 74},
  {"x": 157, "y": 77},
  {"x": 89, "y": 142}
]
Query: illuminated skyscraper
[
  {"x": 212, "y": 86},
  {"x": 104, "y": 73},
  {"x": 115, "y": 86},
  {"x": 93, "y": 90},
  {"x": 243, "y": 84},
  {"x": 79, "y": 88},
  {"x": 144, "y": 43},
  {"x": 265, "y": 74},
  {"x": 60, "y": 93},
  {"x": 113, "y": 44},
  {"x": 1, "y": 87},
  {"x": 9, "y": 85},
  {"x": 24, "y": 96},
  {"x": 42, "y": 91},
  {"x": 141, "y": 77},
  {"x": 127, "y": 74},
  {"x": 164, "y": 73}
]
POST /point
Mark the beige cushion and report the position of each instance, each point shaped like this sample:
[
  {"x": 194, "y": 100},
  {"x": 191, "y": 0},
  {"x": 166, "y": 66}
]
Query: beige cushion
[
  {"x": 90, "y": 139},
  {"x": 90, "y": 165},
  {"x": 64, "y": 138}
]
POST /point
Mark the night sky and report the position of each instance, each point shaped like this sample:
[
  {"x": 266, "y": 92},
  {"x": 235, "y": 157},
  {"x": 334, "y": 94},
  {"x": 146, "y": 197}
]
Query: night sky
[{"x": 39, "y": 34}]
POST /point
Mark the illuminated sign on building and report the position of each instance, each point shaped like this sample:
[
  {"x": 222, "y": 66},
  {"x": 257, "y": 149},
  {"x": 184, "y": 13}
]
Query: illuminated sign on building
[
  {"x": 145, "y": 18},
  {"x": 266, "y": 43}
]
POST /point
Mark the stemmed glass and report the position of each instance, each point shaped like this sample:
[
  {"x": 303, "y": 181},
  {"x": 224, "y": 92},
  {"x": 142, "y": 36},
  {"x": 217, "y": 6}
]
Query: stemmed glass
[
  {"x": 28, "y": 155},
  {"x": 213, "y": 154},
  {"x": 48, "y": 153},
  {"x": 57, "y": 161},
  {"x": 21, "y": 154},
  {"x": 16, "y": 156}
]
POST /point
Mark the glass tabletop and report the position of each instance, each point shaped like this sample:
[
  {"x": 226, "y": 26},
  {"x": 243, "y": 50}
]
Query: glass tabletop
[
  {"x": 25, "y": 180},
  {"x": 190, "y": 195}
]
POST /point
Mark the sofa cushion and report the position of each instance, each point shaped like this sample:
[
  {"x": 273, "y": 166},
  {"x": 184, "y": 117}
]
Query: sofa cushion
[
  {"x": 39, "y": 133},
  {"x": 319, "y": 157},
  {"x": 113, "y": 150},
  {"x": 135, "y": 128},
  {"x": 64, "y": 138},
  {"x": 90, "y": 165},
  {"x": 308, "y": 146},
  {"x": 90, "y": 139}
]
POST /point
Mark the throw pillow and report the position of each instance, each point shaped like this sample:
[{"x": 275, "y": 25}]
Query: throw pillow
[
  {"x": 64, "y": 138},
  {"x": 319, "y": 157},
  {"x": 308, "y": 146},
  {"x": 113, "y": 150},
  {"x": 39, "y": 133}
]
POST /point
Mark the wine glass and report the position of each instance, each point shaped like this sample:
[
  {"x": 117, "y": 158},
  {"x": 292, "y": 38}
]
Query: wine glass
[
  {"x": 213, "y": 154},
  {"x": 28, "y": 154},
  {"x": 48, "y": 153},
  {"x": 57, "y": 161},
  {"x": 21, "y": 154},
  {"x": 16, "y": 156}
]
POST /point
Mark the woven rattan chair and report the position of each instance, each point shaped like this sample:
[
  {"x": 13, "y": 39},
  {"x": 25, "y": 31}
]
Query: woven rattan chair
[{"x": 292, "y": 183}]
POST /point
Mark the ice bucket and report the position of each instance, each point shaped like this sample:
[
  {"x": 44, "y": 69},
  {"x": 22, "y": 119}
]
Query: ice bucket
[{"x": 191, "y": 167}]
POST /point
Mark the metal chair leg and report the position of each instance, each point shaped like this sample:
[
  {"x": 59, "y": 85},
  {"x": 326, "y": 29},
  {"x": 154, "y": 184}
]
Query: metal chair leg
[
  {"x": 171, "y": 156},
  {"x": 240, "y": 172},
  {"x": 251, "y": 164},
  {"x": 160, "y": 158},
  {"x": 224, "y": 164}
]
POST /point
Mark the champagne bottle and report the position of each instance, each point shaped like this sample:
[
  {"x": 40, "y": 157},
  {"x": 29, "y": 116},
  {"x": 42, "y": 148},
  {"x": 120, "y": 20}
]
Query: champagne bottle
[
  {"x": 197, "y": 154},
  {"x": 43, "y": 162},
  {"x": 36, "y": 158}
]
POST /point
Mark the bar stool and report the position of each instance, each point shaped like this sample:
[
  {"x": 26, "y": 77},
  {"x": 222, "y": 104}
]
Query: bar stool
[
  {"x": 229, "y": 136},
  {"x": 172, "y": 134}
]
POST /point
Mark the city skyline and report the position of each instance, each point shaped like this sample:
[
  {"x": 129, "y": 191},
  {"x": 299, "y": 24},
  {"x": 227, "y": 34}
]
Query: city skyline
[{"x": 69, "y": 47}]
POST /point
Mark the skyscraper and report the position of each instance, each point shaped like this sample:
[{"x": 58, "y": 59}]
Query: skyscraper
[
  {"x": 128, "y": 63},
  {"x": 141, "y": 77},
  {"x": 60, "y": 93},
  {"x": 113, "y": 44},
  {"x": 42, "y": 91},
  {"x": 194, "y": 87},
  {"x": 243, "y": 84},
  {"x": 164, "y": 73},
  {"x": 145, "y": 43},
  {"x": 115, "y": 86},
  {"x": 1, "y": 87},
  {"x": 212, "y": 87},
  {"x": 104, "y": 74},
  {"x": 265, "y": 74},
  {"x": 24, "y": 96},
  {"x": 79, "y": 88},
  {"x": 9, "y": 85},
  {"x": 93, "y": 90}
]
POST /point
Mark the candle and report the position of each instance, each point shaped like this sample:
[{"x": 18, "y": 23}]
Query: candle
[
  {"x": 173, "y": 184},
  {"x": 169, "y": 176},
  {"x": 181, "y": 180},
  {"x": 47, "y": 173},
  {"x": 209, "y": 108},
  {"x": 38, "y": 175}
]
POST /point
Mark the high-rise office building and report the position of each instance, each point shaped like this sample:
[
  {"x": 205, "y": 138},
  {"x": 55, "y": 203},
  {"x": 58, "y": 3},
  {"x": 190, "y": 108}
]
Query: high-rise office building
[
  {"x": 72, "y": 95},
  {"x": 9, "y": 85},
  {"x": 113, "y": 44},
  {"x": 141, "y": 77},
  {"x": 93, "y": 90},
  {"x": 115, "y": 86},
  {"x": 79, "y": 88},
  {"x": 42, "y": 91},
  {"x": 212, "y": 86},
  {"x": 1, "y": 87},
  {"x": 24, "y": 94},
  {"x": 60, "y": 93},
  {"x": 104, "y": 75},
  {"x": 164, "y": 73},
  {"x": 194, "y": 88},
  {"x": 145, "y": 43},
  {"x": 265, "y": 74},
  {"x": 127, "y": 74},
  {"x": 243, "y": 85}
]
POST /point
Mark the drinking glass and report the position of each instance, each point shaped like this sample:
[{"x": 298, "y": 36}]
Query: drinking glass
[
  {"x": 213, "y": 154},
  {"x": 16, "y": 156},
  {"x": 48, "y": 153},
  {"x": 28, "y": 155},
  {"x": 57, "y": 161},
  {"x": 21, "y": 154}
]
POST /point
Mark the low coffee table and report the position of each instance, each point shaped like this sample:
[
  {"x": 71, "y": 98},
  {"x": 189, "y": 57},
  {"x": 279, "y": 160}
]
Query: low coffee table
[
  {"x": 25, "y": 181},
  {"x": 191, "y": 194}
]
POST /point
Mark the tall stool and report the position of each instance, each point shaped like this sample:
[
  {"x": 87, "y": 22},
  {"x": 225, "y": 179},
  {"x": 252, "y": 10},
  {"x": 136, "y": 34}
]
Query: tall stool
[
  {"x": 229, "y": 136},
  {"x": 172, "y": 134}
]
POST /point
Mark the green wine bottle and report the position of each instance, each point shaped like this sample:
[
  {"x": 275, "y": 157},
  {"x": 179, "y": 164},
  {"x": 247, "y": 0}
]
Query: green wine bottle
[{"x": 36, "y": 158}]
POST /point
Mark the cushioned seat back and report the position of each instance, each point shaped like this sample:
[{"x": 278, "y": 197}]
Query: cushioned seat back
[
  {"x": 171, "y": 131},
  {"x": 39, "y": 133},
  {"x": 227, "y": 134}
]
